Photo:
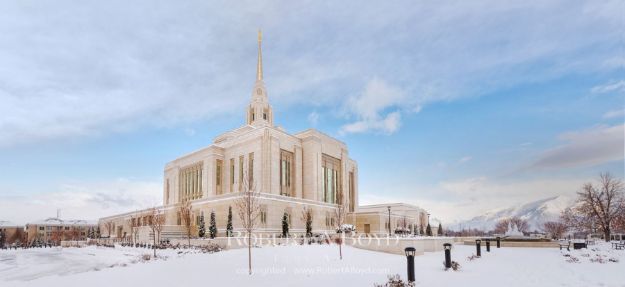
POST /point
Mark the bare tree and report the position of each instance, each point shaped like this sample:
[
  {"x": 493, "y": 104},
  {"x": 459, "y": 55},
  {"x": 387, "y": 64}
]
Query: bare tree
[
  {"x": 109, "y": 227},
  {"x": 133, "y": 222},
  {"x": 340, "y": 213},
  {"x": 248, "y": 208},
  {"x": 555, "y": 228},
  {"x": 56, "y": 236},
  {"x": 307, "y": 218},
  {"x": 159, "y": 222},
  {"x": 186, "y": 218},
  {"x": 575, "y": 221},
  {"x": 601, "y": 204},
  {"x": 156, "y": 220}
]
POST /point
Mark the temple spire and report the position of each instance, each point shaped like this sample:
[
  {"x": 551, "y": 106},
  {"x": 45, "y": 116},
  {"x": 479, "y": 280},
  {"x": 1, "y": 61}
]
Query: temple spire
[{"x": 259, "y": 66}]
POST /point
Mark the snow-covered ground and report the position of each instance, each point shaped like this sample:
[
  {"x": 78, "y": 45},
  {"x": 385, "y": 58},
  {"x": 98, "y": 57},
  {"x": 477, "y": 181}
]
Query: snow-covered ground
[{"x": 315, "y": 265}]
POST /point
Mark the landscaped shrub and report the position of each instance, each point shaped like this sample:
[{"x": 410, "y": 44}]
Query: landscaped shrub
[
  {"x": 395, "y": 281},
  {"x": 454, "y": 266},
  {"x": 212, "y": 229}
]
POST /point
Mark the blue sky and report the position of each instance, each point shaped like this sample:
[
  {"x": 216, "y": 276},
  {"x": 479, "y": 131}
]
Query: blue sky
[{"x": 459, "y": 107}]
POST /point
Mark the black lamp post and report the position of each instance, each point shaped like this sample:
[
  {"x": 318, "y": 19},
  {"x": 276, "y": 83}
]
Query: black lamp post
[
  {"x": 410, "y": 252},
  {"x": 487, "y": 245},
  {"x": 478, "y": 247},
  {"x": 389, "y": 220},
  {"x": 447, "y": 247}
]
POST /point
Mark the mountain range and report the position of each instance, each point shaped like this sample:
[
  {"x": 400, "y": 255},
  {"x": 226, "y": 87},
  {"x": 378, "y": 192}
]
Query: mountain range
[{"x": 535, "y": 213}]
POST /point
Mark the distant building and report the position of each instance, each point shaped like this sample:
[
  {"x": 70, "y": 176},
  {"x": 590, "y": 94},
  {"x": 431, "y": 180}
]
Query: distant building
[
  {"x": 374, "y": 219},
  {"x": 12, "y": 232},
  {"x": 54, "y": 230}
]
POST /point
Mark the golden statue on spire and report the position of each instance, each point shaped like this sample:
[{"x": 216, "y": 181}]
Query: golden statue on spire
[{"x": 259, "y": 66}]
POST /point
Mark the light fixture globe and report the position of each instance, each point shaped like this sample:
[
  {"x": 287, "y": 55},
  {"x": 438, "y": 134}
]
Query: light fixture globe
[{"x": 410, "y": 251}]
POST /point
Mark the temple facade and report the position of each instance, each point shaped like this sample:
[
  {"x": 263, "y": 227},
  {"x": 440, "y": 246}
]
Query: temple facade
[{"x": 290, "y": 171}]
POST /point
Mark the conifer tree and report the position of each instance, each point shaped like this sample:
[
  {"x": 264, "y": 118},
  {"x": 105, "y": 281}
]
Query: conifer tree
[
  {"x": 440, "y": 229},
  {"x": 285, "y": 224},
  {"x": 428, "y": 230},
  {"x": 212, "y": 230},
  {"x": 2, "y": 239},
  {"x": 309, "y": 225},
  {"x": 202, "y": 230},
  {"x": 229, "y": 225}
]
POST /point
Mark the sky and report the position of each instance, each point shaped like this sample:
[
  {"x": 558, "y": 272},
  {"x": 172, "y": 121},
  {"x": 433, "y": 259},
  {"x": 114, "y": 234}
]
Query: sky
[{"x": 459, "y": 107}]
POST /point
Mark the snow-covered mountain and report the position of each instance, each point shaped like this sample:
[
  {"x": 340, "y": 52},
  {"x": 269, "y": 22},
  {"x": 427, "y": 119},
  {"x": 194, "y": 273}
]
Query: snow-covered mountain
[{"x": 536, "y": 213}]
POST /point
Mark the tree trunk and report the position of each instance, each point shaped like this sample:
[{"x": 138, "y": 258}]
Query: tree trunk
[
  {"x": 606, "y": 234},
  {"x": 249, "y": 252},
  {"x": 341, "y": 250}
]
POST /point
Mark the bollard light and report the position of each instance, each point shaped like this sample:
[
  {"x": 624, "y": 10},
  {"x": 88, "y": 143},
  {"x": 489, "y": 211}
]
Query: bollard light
[
  {"x": 478, "y": 247},
  {"x": 447, "y": 247},
  {"x": 498, "y": 242},
  {"x": 487, "y": 245},
  {"x": 410, "y": 253}
]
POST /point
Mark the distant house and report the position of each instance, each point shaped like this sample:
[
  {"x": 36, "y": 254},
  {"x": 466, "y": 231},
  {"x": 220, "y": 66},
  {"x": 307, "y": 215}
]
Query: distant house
[
  {"x": 54, "y": 230},
  {"x": 12, "y": 233}
]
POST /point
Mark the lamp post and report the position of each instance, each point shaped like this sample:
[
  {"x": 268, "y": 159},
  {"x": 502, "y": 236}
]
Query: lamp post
[
  {"x": 478, "y": 247},
  {"x": 447, "y": 247},
  {"x": 410, "y": 252},
  {"x": 389, "y": 220},
  {"x": 487, "y": 245}
]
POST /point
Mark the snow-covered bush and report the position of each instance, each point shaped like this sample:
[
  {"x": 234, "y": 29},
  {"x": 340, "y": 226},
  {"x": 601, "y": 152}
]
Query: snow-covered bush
[
  {"x": 472, "y": 257},
  {"x": 402, "y": 231},
  {"x": 346, "y": 228},
  {"x": 395, "y": 281},
  {"x": 454, "y": 266}
]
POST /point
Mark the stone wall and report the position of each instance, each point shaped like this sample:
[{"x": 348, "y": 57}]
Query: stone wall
[{"x": 395, "y": 245}]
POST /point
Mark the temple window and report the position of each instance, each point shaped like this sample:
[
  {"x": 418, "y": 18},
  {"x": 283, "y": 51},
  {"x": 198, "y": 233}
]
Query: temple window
[
  {"x": 190, "y": 186},
  {"x": 250, "y": 168},
  {"x": 331, "y": 168},
  {"x": 218, "y": 172},
  {"x": 241, "y": 159},
  {"x": 232, "y": 175},
  {"x": 286, "y": 173}
]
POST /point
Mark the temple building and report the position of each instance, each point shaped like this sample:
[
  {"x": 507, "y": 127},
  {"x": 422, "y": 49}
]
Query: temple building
[{"x": 291, "y": 171}]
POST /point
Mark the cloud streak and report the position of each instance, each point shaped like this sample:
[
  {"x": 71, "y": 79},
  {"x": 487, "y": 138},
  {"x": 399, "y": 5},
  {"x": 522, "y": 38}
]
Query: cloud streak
[
  {"x": 590, "y": 147},
  {"x": 82, "y": 200}
]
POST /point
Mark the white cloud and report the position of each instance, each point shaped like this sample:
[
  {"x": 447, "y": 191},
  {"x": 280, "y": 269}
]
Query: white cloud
[
  {"x": 371, "y": 108},
  {"x": 387, "y": 125},
  {"x": 67, "y": 70},
  {"x": 590, "y": 147},
  {"x": 313, "y": 118},
  {"x": 611, "y": 87},
  {"x": 465, "y": 159},
  {"x": 614, "y": 114},
  {"x": 82, "y": 200}
]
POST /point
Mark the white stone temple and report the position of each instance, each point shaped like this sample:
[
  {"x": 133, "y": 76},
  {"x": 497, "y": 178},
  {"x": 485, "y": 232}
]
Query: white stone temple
[{"x": 291, "y": 171}]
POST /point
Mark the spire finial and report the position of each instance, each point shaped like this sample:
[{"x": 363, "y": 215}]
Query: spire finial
[{"x": 259, "y": 67}]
